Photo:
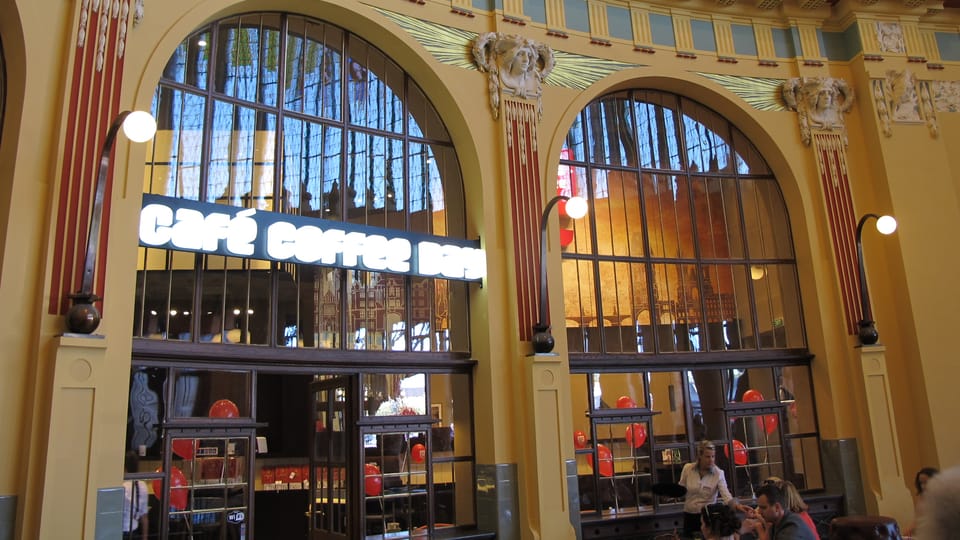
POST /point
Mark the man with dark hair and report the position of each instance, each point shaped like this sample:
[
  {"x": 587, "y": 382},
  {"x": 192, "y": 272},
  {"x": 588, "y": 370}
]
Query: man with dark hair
[{"x": 773, "y": 519}]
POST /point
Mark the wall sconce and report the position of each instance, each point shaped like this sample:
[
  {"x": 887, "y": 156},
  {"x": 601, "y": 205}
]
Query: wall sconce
[
  {"x": 83, "y": 317},
  {"x": 575, "y": 208},
  {"x": 758, "y": 272},
  {"x": 867, "y": 333}
]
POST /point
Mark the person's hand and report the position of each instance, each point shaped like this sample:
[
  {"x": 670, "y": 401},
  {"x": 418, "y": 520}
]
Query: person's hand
[
  {"x": 759, "y": 526},
  {"x": 748, "y": 510}
]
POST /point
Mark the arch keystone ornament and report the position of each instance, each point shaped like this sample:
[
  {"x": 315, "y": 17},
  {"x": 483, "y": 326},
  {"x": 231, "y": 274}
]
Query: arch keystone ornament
[{"x": 516, "y": 66}]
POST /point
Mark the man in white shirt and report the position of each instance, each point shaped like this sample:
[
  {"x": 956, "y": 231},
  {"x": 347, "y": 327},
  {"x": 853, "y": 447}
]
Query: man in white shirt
[{"x": 704, "y": 482}]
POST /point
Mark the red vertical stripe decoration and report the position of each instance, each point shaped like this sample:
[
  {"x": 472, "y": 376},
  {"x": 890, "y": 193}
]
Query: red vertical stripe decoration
[
  {"x": 97, "y": 68},
  {"x": 520, "y": 121},
  {"x": 832, "y": 165}
]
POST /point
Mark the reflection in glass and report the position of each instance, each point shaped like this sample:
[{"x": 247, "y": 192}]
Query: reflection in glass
[
  {"x": 208, "y": 393},
  {"x": 387, "y": 164},
  {"x": 613, "y": 143},
  {"x": 667, "y": 203},
  {"x": 580, "y": 306},
  {"x": 689, "y": 222},
  {"x": 620, "y": 391},
  {"x": 657, "y": 141},
  {"x": 687, "y": 249},
  {"x": 174, "y": 159},
  {"x": 757, "y": 453},
  {"x": 394, "y": 394},
  {"x": 795, "y": 392},
  {"x": 706, "y": 134},
  {"x": 667, "y": 398}
]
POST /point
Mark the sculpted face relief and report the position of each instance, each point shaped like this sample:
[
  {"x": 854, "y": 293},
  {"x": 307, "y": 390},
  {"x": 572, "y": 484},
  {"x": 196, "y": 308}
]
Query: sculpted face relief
[{"x": 184, "y": 225}]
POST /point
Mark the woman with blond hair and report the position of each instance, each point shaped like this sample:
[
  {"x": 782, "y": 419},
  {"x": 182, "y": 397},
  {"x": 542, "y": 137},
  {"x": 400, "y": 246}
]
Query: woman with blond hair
[{"x": 704, "y": 483}]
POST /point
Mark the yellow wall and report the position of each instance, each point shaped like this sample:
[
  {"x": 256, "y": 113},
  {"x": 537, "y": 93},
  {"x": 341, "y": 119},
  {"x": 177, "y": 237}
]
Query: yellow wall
[{"x": 911, "y": 174}]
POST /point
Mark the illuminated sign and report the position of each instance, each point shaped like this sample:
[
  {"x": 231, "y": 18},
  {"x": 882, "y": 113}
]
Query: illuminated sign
[{"x": 184, "y": 225}]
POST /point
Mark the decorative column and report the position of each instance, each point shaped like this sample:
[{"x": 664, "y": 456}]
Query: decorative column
[
  {"x": 516, "y": 67},
  {"x": 73, "y": 475},
  {"x": 71, "y": 470},
  {"x": 886, "y": 494},
  {"x": 821, "y": 104},
  {"x": 93, "y": 102}
]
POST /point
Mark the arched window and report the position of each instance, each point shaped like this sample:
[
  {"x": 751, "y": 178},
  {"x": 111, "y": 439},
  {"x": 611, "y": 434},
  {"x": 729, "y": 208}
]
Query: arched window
[
  {"x": 243, "y": 357},
  {"x": 682, "y": 303},
  {"x": 285, "y": 114}
]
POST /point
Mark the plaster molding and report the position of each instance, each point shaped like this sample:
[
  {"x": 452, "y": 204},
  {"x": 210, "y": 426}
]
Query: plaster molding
[
  {"x": 516, "y": 66},
  {"x": 820, "y": 103}
]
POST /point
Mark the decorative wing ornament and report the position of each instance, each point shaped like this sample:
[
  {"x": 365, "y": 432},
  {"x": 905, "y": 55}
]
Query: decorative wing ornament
[
  {"x": 456, "y": 47},
  {"x": 761, "y": 93},
  {"x": 447, "y": 44},
  {"x": 579, "y": 72}
]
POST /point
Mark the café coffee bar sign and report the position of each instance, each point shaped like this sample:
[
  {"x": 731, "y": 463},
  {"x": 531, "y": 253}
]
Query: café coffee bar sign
[{"x": 185, "y": 225}]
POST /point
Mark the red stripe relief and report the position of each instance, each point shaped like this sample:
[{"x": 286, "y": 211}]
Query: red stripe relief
[
  {"x": 534, "y": 203},
  {"x": 525, "y": 188},
  {"x": 91, "y": 138},
  {"x": 830, "y": 199},
  {"x": 839, "y": 210},
  {"x": 71, "y": 180},
  {"x": 113, "y": 68},
  {"x": 93, "y": 105},
  {"x": 850, "y": 252},
  {"x": 525, "y": 235},
  {"x": 523, "y": 297},
  {"x": 830, "y": 196},
  {"x": 68, "y": 152}
]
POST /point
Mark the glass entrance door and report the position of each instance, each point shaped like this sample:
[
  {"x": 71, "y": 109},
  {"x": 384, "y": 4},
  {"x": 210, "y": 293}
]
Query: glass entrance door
[
  {"x": 334, "y": 466},
  {"x": 208, "y": 491}
]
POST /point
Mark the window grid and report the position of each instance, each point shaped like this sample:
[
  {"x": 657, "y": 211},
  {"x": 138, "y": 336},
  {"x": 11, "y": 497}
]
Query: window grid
[
  {"x": 271, "y": 111},
  {"x": 705, "y": 276},
  {"x": 694, "y": 220}
]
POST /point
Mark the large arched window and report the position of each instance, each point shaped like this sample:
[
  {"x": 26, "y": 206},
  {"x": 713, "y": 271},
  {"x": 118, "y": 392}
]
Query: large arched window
[
  {"x": 682, "y": 304},
  {"x": 285, "y": 114},
  {"x": 357, "y": 379}
]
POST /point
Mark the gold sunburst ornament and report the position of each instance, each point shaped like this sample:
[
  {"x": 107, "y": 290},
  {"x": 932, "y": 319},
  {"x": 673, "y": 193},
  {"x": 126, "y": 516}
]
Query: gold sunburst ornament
[
  {"x": 454, "y": 46},
  {"x": 761, "y": 93}
]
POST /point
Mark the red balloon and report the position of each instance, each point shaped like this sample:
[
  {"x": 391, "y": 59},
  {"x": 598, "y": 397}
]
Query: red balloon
[
  {"x": 183, "y": 447},
  {"x": 224, "y": 408},
  {"x": 752, "y": 395},
  {"x": 626, "y": 402},
  {"x": 178, "y": 488},
  {"x": 636, "y": 434},
  {"x": 739, "y": 452},
  {"x": 579, "y": 439},
  {"x": 606, "y": 460},
  {"x": 373, "y": 481},
  {"x": 769, "y": 423},
  {"x": 418, "y": 453}
]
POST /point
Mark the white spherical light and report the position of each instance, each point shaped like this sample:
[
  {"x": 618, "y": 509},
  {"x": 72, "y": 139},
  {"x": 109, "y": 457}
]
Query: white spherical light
[
  {"x": 576, "y": 207},
  {"x": 139, "y": 126},
  {"x": 886, "y": 224}
]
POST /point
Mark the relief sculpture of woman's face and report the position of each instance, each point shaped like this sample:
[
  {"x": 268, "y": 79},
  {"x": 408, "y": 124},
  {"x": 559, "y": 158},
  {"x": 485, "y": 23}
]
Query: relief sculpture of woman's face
[{"x": 522, "y": 60}]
